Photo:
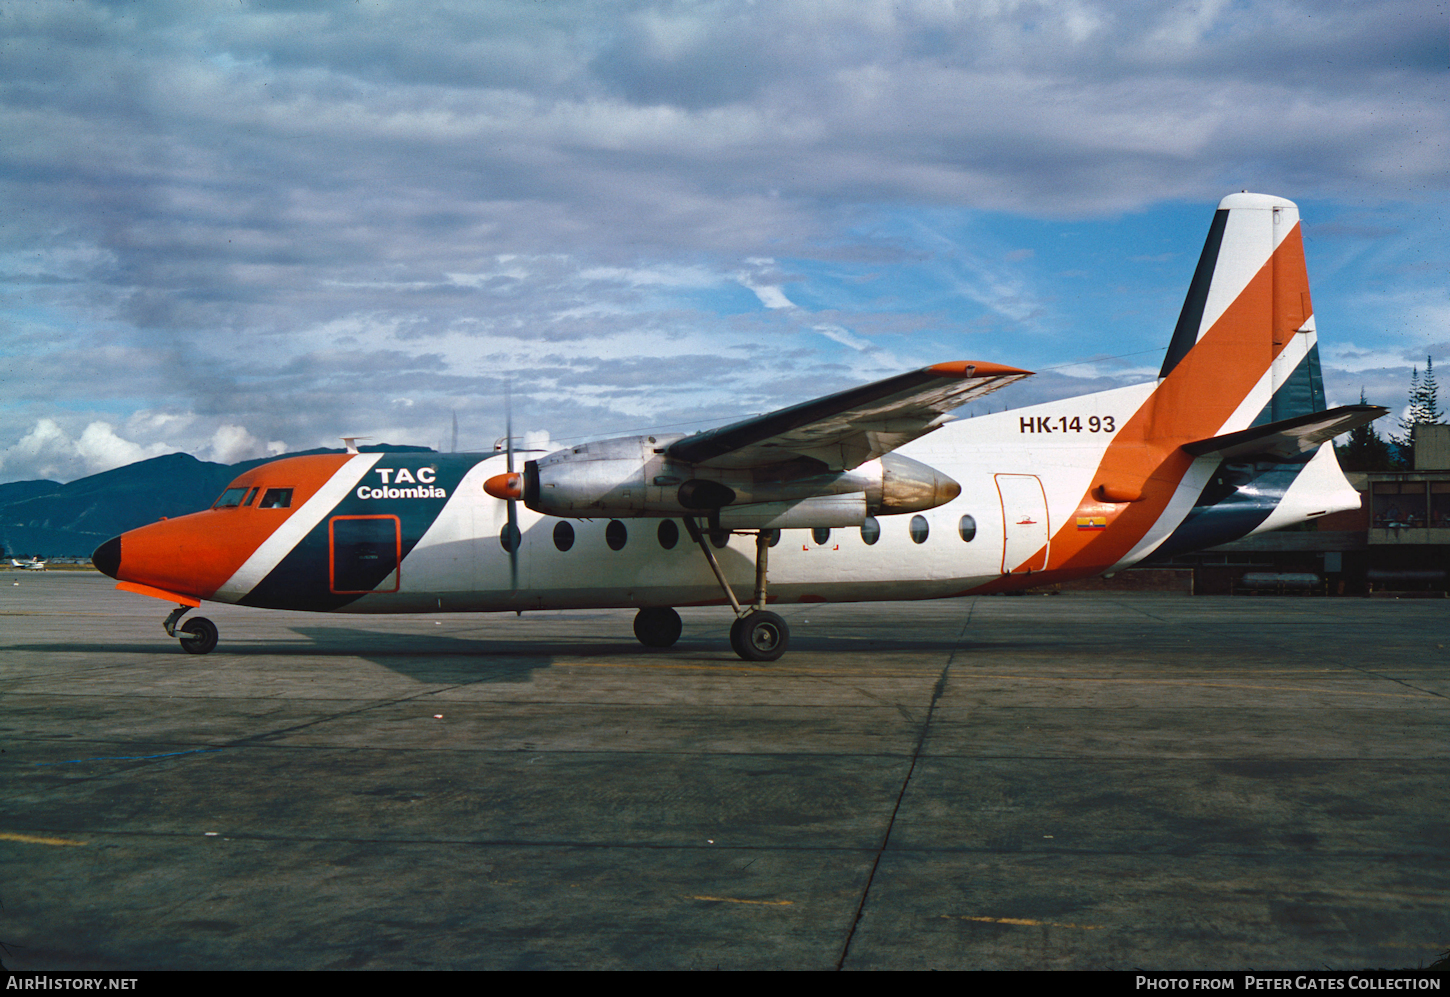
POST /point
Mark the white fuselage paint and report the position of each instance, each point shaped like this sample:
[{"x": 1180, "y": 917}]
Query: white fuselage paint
[{"x": 460, "y": 565}]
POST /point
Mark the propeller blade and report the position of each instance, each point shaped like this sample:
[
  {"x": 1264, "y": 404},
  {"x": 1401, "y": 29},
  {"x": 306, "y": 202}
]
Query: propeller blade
[{"x": 515, "y": 539}]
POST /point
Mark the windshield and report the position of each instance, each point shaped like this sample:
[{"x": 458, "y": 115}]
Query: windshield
[{"x": 231, "y": 498}]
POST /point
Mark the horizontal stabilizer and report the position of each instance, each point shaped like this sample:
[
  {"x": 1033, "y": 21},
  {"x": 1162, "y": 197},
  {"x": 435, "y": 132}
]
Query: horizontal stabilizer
[
  {"x": 847, "y": 429},
  {"x": 1288, "y": 438}
]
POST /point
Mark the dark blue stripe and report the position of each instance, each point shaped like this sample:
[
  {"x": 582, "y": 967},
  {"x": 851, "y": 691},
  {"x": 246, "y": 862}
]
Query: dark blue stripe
[
  {"x": 1185, "y": 333},
  {"x": 301, "y": 579}
]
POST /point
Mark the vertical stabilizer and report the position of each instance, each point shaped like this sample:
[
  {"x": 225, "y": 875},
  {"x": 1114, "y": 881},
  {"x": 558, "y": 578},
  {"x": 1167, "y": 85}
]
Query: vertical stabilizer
[{"x": 1246, "y": 333}]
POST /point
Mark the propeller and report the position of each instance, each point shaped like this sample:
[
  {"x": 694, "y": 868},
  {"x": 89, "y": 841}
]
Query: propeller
[
  {"x": 513, "y": 503},
  {"x": 509, "y": 487}
]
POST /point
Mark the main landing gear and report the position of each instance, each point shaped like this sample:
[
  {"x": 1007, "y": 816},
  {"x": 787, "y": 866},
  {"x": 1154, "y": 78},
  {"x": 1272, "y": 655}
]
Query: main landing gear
[
  {"x": 197, "y": 636},
  {"x": 756, "y": 635}
]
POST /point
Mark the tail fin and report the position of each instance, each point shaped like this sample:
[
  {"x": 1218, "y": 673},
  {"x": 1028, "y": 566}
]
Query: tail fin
[{"x": 1245, "y": 351}]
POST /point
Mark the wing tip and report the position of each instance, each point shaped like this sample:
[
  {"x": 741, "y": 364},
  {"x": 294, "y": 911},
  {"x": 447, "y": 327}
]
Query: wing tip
[{"x": 973, "y": 368}]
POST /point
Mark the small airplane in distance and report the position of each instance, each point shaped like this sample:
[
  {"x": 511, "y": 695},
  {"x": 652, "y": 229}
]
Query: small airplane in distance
[
  {"x": 34, "y": 564},
  {"x": 871, "y": 494}
]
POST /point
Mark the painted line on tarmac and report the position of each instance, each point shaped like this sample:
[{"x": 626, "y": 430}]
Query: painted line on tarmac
[
  {"x": 736, "y": 900},
  {"x": 130, "y": 758},
  {"x": 1022, "y": 922},
  {"x": 1204, "y": 685},
  {"x": 31, "y": 839}
]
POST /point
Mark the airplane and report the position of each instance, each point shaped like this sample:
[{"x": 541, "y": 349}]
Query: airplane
[
  {"x": 34, "y": 564},
  {"x": 874, "y": 493}
]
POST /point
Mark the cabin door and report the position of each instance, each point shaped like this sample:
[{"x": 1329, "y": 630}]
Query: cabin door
[{"x": 1024, "y": 523}]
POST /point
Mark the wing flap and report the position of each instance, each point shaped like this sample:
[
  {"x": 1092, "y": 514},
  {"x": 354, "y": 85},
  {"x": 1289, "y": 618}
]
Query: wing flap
[
  {"x": 851, "y": 427},
  {"x": 1288, "y": 438}
]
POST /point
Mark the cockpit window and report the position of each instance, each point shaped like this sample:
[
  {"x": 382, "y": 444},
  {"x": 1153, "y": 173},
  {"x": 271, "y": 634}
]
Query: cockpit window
[
  {"x": 231, "y": 498},
  {"x": 276, "y": 498},
  {"x": 251, "y": 496}
]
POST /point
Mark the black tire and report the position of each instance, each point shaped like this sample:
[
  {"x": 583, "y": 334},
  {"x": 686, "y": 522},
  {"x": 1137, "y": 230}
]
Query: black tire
[
  {"x": 759, "y": 636},
  {"x": 203, "y": 635},
  {"x": 657, "y": 626}
]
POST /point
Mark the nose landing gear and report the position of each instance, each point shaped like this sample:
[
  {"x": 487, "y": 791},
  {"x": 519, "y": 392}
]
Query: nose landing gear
[{"x": 197, "y": 636}]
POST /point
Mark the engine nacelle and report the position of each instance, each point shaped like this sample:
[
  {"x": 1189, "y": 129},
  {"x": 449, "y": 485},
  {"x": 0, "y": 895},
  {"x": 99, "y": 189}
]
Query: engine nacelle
[{"x": 633, "y": 477}]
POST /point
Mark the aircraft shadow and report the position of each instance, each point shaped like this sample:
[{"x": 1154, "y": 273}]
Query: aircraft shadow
[{"x": 443, "y": 659}]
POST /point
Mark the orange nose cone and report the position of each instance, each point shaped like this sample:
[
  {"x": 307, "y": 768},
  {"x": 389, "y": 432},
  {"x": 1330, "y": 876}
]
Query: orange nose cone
[{"x": 505, "y": 486}]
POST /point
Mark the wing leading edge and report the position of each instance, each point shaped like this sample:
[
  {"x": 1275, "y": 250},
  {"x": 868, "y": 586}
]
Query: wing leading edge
[{"x": 851, "y": 427}]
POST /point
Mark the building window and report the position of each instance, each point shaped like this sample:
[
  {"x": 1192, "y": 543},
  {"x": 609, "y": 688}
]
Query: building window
[
  {"x": 870, "y": 531},
  {"x": 563, "y": 535},
  {"x": 967, "y": 528},
  {"x": 1440, "y": 504},
  {"x": 1399, "y": 505},
  {"x": 616, "y": 535},
  {"x": 919, "y": 529}
]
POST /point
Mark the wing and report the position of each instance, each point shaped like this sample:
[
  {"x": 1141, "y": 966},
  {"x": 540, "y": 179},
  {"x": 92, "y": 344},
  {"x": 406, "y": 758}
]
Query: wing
[
  {"x": 1288, "y": 438},
  {"x": 847, "y": 429}
]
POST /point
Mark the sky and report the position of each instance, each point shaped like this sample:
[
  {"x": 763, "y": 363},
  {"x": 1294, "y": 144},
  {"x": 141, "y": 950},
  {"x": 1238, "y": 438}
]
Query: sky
[{"x": 241, "y": 228}]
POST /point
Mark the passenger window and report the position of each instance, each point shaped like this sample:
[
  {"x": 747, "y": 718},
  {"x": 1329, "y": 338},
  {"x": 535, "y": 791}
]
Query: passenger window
[
  {"x": 231, "y": 498},
  {"x": 563, "y": 535},
  {"x": 669, "y": 534},
  {"x": 870, "y": 531},
  {"x": 967, "y": 528},
  {"x": 616, "y": 535},
  {"x": 919, "y": 529},
  {"x": 509, "y": 538},
  {"x": 276, "y": 498},
  {"x": 821, "y": 535},
  {"x": 774, "y": 536}
]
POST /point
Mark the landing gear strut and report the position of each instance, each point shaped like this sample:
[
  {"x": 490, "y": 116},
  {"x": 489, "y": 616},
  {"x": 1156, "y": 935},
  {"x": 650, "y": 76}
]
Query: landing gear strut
[
  {"x": 197, "y": 636},
  {"x": 757, "y": 634}
]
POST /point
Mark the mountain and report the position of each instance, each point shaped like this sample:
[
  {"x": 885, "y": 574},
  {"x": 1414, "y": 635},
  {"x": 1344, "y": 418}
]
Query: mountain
[{"x": 50, "y": 519}]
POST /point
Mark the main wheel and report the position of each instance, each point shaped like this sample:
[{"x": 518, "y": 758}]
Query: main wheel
[
  {"x": 657, "y": 626},
  {"x": 203, "y": 635},
  {"x": 759, "y": 636}
]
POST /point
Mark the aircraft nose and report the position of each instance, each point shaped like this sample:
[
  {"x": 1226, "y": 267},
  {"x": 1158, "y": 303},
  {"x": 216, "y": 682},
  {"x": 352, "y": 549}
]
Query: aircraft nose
[{"x": 107, "y": 557}]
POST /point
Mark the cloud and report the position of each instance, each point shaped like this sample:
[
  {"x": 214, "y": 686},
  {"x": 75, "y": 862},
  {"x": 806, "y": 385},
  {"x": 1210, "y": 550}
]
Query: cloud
[
  {"x": 273, "y": 220},
  {"x": 48, "y": 451},
  {"x": 230, "y": 444}
]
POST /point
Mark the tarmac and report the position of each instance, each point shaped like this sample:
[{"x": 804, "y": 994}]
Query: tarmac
[{"x": 1075, "y": 782}]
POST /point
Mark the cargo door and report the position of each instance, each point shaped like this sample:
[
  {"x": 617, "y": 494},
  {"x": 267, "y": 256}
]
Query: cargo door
[
  {"x": 364, "y": 552},
  {"x": 1024, "y": 523}
]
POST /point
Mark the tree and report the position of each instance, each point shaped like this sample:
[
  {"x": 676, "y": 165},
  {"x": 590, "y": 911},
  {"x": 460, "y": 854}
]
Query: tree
[
  {"x": 1365, "y": 450},
  {"x": 1424, "y": 409},
  {"x": 1424, "y": 406}
]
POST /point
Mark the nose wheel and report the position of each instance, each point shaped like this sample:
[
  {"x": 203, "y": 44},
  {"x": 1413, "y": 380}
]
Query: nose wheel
[{"x": 197, "y": 636}]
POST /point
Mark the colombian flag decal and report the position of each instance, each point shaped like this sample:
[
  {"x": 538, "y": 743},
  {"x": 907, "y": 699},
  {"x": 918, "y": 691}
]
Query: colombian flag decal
[{"x": 1092, "y": 522}]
